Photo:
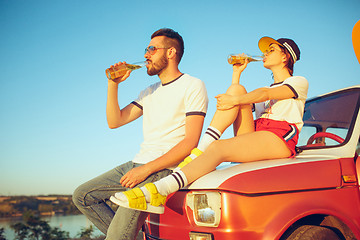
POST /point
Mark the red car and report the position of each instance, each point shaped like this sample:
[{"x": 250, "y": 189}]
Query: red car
[{"x": 312, "y": 196}]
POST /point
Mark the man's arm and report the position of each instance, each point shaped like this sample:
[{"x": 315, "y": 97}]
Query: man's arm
[
  {"x": 193, "y": 127},
  {"x": 117, "y": 117}
]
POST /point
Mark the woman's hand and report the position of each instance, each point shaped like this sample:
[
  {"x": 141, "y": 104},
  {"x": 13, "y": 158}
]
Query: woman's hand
[
  {"x": 134, "y": 176},
  {"x": 225, "y": 102},
  {"x": 238, "y": 68}
]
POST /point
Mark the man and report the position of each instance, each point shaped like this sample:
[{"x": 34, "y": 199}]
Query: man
[{"x": 173, "y": 113}]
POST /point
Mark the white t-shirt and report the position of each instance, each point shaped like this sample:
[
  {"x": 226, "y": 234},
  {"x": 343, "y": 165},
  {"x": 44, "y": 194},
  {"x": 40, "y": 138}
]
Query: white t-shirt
[
  {"x": 290, "y": 110},
  {"x": 165, "y": 108}
]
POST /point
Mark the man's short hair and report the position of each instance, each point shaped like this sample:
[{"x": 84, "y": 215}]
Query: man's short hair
[{"x": 173, "y": 39}]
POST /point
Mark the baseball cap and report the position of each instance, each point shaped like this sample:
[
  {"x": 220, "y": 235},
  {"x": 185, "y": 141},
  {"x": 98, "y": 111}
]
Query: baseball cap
[{"x": 289, "y": 44}]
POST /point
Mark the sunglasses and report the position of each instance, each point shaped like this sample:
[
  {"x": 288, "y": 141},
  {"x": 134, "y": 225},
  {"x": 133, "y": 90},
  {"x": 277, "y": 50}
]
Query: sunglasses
[
  {"x": 271, "y": 50},
  {"x": 152, "y": 49}
]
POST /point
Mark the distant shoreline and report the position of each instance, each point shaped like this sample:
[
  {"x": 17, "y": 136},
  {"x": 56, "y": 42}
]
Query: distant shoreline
[
  {"x": 3, "y": 219},
  {"x": 51, "y": 205}
]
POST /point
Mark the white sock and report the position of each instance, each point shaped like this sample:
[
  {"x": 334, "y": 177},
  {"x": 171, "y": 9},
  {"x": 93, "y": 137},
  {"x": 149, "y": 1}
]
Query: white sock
[
  {"x": 165, "y": 186},
  {"x": 211, "y": 134},
  {"x": 171, "y": 183}
]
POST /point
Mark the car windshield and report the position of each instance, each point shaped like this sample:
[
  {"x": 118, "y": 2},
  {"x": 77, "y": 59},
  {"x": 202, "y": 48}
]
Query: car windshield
[{"x": 334, "y": 113}]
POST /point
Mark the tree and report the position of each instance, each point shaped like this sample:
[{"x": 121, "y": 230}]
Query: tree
[
  {"x": 34, "y": 228},
  {"x": 57, "y": 234},
  {"x": 86, "y": 233},
  {"x": 2, "y": 237},
  {"x": 21, "y": 231}
]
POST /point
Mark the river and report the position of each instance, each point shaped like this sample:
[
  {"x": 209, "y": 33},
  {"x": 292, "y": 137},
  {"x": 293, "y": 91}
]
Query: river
[{"x": 72, "y": 224}]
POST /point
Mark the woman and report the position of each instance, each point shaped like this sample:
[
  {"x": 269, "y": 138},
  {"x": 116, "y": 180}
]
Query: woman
[{"x": 279, "y": 111}]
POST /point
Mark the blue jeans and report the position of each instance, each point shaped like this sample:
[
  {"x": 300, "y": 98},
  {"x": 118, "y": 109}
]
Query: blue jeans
[{"x": 92, "y": 199}]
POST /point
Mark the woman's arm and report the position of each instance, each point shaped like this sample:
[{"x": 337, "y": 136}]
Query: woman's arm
[
  {"x": 225, "y": 101},
  {"x": 237, "y": 70}
]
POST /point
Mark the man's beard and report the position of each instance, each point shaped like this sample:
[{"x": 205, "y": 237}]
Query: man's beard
[{"x": 156, "y": 68}]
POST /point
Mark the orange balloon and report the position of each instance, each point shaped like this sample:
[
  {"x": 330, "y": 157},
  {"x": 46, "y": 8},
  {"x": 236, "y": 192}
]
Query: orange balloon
[{"x": 356, "y": 39}]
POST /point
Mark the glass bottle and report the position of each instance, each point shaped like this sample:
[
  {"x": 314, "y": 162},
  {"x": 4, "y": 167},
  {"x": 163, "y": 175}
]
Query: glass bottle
[
  {"x": 240, "y": 58},
  {"x": 120, "y": 70}
]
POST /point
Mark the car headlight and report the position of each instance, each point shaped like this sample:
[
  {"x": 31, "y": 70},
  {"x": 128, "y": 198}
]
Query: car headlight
[{"x": 206, "y": 207}]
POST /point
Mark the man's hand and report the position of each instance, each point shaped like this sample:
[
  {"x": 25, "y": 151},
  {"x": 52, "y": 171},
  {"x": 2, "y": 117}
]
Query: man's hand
[
  {"x": 135, "y": 176},
  {"x": 118, "y": 78}
]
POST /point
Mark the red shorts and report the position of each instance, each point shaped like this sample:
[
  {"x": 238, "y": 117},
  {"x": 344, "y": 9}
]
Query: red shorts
[{"x": 288, "y": 132}]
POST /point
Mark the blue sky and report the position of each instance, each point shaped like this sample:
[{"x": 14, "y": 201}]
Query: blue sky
[{"x": 53, "y": 86}]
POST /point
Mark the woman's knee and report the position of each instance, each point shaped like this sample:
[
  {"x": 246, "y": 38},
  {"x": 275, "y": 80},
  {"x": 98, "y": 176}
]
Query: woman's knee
[{"x": 236, "y": 89}]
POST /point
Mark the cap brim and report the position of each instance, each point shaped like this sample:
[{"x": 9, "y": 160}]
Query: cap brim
[{"x": 265, "y": 42}]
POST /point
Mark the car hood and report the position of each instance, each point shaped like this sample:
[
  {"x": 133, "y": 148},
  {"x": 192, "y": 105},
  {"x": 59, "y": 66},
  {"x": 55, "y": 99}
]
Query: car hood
[{"x": 291, "y": 174}]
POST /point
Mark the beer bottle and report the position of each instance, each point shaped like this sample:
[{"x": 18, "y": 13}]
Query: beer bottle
[{"x": 120, "y": 70}]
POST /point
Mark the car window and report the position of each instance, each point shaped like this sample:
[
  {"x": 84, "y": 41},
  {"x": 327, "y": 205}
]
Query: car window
[{"x": 333, "y": 113}]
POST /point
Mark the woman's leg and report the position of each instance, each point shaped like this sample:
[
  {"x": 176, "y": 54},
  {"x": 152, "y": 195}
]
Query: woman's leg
[
  {"x": 244, "y": 122},
  {"x": 248, "y": 147},
  {"x": 240, "y": 116}
]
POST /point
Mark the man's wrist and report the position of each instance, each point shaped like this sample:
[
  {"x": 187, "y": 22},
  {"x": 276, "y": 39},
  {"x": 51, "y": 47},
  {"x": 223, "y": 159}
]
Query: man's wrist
[{"x": 148, "y": 168}]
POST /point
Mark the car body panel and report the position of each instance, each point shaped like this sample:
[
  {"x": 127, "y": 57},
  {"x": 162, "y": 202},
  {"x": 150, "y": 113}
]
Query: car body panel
[{"x": 266, "y": 199}]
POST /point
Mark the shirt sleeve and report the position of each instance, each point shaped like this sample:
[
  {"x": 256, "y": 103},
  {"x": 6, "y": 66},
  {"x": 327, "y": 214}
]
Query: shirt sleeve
[
  {"x": 299, "y": 85},
  {"x": 196, "y": 100}
]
